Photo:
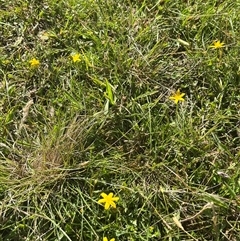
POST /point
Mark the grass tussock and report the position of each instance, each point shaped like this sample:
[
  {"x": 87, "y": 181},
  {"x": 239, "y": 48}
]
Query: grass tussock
[{"x": 139, "y": 99}]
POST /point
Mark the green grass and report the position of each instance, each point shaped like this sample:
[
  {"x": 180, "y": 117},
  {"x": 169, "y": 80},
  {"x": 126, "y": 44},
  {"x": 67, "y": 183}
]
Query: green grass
[{"x": 70, "y": 131}]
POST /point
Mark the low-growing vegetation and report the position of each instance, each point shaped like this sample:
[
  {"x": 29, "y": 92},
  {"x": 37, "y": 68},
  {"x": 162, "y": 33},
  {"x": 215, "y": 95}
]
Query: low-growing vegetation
[{"x": 119, "y": 120}]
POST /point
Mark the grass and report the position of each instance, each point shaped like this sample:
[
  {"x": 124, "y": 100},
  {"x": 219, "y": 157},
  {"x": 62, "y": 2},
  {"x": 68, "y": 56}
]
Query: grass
[{"x": 70, "y": 131}]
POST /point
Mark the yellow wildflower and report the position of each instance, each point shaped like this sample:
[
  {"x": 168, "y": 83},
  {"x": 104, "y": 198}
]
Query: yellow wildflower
[
  {"x": 109, "y": 200},
  {"x": 106, "y": 239},
  {"x": 177, "y": 96},
  {"x": 217, "y": 45},
  {"x": 34, "y": 62},
  {"x": 75, "y": 57}
]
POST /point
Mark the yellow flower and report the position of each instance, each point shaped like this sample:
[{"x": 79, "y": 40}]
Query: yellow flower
[
  {"x": 105, "y": 239},
  {"x": 217, "y": 45},
  {"x": 34, "y": 62},
  {"x": 109, "y": 200},
  {"x": 177, "y": 97},
  {"x": 75, "y": 57}
]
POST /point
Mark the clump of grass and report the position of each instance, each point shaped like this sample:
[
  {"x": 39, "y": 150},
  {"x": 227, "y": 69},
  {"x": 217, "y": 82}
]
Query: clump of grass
[{"x": 86, "y": 109}]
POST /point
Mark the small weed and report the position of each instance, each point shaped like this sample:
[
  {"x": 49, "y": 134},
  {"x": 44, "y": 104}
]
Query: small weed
[{"x": 119, "y": 121}]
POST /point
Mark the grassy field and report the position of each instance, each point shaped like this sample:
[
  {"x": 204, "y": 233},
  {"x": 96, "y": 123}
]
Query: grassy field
[{"x": 119, "y": 120}]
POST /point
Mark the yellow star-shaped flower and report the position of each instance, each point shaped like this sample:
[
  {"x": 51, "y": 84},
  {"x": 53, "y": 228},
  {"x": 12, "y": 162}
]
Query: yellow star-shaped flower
[
  {"x": 34, "y": 62},
  {"x": 75, "y": 57},
  {"x": 217, "y": 45},
  {"x": 109, "y": 200},
  {"x": 106, "y": 239},
  {"x": 177, "y": 96}
]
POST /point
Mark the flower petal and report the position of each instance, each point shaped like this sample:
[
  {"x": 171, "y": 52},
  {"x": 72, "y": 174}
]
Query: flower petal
[
  {"x": 182, "y": 95},
  {"x": 107, "y": 205},
  {"x": 110, "y": 194},
  {"x": 103, "y": 194},
  {"x": 113, "y": 204},
  {"x": 105, "y": 239},
  {"x": 101, "y": 201}
]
